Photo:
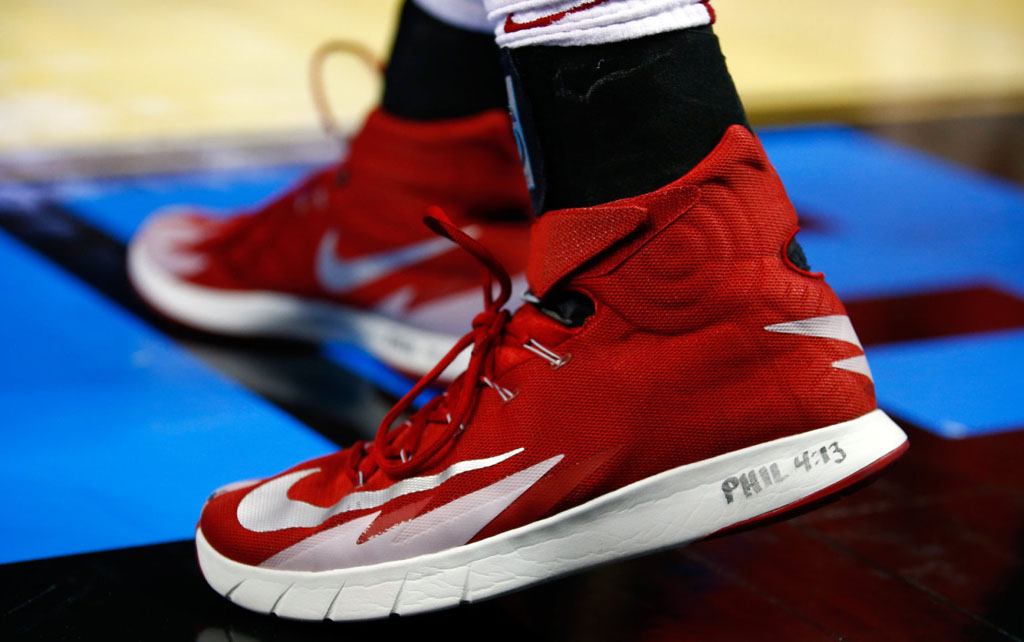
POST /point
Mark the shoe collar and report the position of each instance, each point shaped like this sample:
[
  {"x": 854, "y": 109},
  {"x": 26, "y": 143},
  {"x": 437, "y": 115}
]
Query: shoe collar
[{"x": 598, "y": 238}]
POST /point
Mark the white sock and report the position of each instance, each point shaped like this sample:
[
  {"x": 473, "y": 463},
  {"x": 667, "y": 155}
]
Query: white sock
[{"x": 518, "y": 23}]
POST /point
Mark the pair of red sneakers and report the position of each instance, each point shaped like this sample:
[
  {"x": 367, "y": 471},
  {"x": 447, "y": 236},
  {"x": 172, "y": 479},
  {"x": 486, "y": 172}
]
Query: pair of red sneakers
[{"x": 711, "y": 383}]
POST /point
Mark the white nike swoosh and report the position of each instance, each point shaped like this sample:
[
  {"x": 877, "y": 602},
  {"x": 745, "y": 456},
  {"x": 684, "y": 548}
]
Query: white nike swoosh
[
  {"x": 268, "y": 508},
  {"x": 337, "y": 275},
  {"x": 833, "y": 326},
  {"x": 447, "y": 526}
]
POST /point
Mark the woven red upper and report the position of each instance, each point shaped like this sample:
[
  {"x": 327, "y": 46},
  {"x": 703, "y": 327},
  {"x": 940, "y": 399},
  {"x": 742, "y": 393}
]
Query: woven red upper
[
  {"x": 675, "y": 366},
  {"x": 375, "y": 200}
]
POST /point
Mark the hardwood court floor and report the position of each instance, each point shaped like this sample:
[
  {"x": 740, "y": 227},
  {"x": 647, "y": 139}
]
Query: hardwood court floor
[{"x": 106, "y": 72}]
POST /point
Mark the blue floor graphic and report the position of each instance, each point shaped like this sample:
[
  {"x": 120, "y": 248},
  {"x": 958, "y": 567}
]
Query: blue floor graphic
[
  {"x": 102, "y": 412},
  {"x": 895, "y": 220},
  {"x": 113, "y": 436},
  {"x": 119, "y": 205},
  {"x": 956, "y": 386}
]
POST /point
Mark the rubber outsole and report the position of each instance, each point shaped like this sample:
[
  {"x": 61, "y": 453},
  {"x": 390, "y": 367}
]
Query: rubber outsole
[{"x": 688, "y": 503}]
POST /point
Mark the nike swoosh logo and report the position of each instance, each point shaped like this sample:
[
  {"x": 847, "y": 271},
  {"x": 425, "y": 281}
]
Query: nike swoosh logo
[
  {"x": 268, "y": 508},
  {"x": 833, "y": 326},
  {"x": 511, "y": 26},
  {"x": 447, "y": 526},
  {"x": 337, "y": 275}
]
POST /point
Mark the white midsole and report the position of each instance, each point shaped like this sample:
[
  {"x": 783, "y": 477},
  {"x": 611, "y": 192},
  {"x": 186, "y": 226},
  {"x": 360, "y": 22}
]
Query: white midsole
[
  {"x": 273, "y": 314},
  {"x": 668, "y": 509}
]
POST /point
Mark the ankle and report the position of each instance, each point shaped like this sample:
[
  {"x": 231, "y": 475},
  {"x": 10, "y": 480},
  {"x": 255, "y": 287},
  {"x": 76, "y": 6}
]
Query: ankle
[
  {"x": 440, "y": 71},
  {"x": 619, "y": 119}
]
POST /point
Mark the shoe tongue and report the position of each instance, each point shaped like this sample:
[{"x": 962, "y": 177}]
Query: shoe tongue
[
  {"x": 563, "y": 240},
  {"x": 529, "y": 322}
]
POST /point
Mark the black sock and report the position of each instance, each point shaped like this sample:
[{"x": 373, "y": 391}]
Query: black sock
[
  {"x": 605, "y": 122},
  {"x": 439, "y": 71}
]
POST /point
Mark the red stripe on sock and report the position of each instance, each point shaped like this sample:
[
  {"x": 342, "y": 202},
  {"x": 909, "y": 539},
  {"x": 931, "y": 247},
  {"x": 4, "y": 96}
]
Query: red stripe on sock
[
  {"x": 711, "y": 10},
  {"x": 512, "y": 27}
]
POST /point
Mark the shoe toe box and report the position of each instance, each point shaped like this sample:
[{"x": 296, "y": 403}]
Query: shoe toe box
[
  {"x": 251, "y": 520},
  {"x": 222, "y": 530}
]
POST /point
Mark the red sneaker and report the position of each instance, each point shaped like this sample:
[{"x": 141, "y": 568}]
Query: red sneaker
[
  {"x": 344, "y": 255},
  {"x": 714, "y": 385}
]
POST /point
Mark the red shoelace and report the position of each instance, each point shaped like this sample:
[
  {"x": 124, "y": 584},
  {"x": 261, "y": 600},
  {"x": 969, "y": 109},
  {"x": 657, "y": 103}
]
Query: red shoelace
[{"x": 400, "y": 452}]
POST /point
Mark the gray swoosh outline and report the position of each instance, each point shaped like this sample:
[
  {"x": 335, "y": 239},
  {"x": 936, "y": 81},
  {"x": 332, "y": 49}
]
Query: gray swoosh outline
[{"x": 338, "y": 276}]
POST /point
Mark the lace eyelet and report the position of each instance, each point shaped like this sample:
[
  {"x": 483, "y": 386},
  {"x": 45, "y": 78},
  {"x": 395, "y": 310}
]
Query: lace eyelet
[
  {"x": 505, "y": 394},
  {"x": 556, "y": 360}
]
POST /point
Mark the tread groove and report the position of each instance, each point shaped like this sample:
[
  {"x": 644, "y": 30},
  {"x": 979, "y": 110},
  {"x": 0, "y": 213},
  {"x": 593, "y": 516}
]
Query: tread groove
[
  {"x": 398, "y": 594},
  {"x": 232, "y": 589},
  {"x": 330, "y": 607},
  {"x": 273, "y": 609}
]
